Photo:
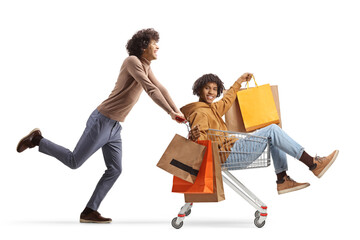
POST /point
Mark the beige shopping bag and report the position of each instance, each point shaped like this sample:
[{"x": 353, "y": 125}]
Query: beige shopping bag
[
  {"x": 233, "y": 117},
  {"x": 218, "y": 194},
  {"x": 182, "y": 158}
]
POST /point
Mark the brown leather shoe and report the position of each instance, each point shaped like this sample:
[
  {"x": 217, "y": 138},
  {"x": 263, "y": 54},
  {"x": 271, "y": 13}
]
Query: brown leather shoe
[
  {"x": 289, "y": 185},
  {"x": 27, "y": 141},
  {"x": 92, "y": 216},
  {"x": 323, "y": 163}
]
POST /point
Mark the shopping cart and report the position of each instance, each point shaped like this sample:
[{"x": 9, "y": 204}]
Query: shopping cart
[{"x": 237, "y": 151}]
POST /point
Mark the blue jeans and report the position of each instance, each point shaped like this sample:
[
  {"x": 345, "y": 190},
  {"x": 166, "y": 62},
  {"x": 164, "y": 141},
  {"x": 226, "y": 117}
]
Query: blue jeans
[
  {"x": 100, "y": 132},
  {"x": 280, "y": 145}
]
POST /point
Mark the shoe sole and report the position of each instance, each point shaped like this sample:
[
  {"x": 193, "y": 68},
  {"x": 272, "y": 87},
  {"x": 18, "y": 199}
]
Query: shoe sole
[
  {"x": 34, "y": 130},
  {"x": 92, "y": 221},
  {"x": 329, "y": 165},
  {"x": 294, "y": 189}
]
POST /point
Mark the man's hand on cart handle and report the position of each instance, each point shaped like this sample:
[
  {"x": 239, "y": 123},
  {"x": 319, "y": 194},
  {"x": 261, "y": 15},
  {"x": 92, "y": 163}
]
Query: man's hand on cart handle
[
  {"x": 178, "y": 117},
  {"x": 194, "y": 133}
]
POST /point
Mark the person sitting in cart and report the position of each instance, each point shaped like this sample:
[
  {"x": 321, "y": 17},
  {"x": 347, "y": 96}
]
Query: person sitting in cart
[{"x": 207, "y": 114}]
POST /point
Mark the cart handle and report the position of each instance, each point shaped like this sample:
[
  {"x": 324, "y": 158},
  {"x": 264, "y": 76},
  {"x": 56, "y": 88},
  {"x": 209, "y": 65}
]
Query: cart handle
[{"x": 180, "y": 120}]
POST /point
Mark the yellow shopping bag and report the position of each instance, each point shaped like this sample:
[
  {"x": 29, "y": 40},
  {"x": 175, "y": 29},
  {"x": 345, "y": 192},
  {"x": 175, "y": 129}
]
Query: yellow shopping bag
[{"x": 257, "y": 107}]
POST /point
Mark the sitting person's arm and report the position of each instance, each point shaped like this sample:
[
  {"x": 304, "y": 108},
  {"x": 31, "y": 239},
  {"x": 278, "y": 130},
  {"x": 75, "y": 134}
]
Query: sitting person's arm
[
  {"x": 201, "y": 115},
  {"x": 224, "y": 104}
]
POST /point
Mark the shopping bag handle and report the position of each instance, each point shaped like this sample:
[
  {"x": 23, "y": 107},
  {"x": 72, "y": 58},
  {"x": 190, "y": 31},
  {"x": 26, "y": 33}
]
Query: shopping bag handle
[{"x": 247, "y": 83}]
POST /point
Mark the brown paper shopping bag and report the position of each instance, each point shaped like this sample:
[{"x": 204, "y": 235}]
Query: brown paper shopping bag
[
  {"x": 234, "y": 119},
  {"x": 218, "y": 194},
  {"x": 182, "y": 158}
]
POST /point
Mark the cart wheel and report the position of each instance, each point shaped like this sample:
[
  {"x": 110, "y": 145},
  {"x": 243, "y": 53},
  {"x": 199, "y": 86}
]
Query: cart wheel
[
  {"x": 177, "y": 226},
  {"x": 256, "y": 222},
  {"x": 187, "y": 213},
  {"x": 257, "y": 214}
]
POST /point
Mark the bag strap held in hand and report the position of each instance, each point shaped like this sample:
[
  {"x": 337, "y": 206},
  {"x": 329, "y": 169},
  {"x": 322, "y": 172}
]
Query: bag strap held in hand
[{"x": 247, "y": 83}]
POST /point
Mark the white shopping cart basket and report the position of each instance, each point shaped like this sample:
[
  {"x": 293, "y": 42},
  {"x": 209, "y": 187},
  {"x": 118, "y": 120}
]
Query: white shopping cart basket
[{"x": 237, "y": 151}]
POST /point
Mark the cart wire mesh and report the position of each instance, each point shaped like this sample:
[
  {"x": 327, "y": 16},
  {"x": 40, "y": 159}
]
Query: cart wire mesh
[{"x": 240, "y": 150}]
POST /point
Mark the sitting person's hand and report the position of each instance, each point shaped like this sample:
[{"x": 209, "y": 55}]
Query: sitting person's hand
[
  {"x": 244, "y": 78},
  {"x": 194, "y": 133}
]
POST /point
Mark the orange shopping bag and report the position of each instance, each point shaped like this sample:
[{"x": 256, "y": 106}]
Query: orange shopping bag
[{"x": 204, "y": 182}]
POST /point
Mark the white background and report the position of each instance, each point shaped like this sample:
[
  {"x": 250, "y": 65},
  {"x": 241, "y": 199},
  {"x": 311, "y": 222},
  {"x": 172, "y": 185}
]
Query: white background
[{"x": 60, "y": 59}]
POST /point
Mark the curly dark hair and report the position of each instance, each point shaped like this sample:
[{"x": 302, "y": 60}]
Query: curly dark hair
[
  {"x": 204, "y": 79},
  {"x": 140, "y": 41}
]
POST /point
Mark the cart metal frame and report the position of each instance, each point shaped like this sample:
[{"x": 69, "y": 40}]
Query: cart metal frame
[{"x": 263, "y": 160}]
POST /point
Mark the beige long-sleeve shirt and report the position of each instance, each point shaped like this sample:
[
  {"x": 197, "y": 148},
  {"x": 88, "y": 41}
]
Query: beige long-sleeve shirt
[{"x": 134, "y": 77}]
